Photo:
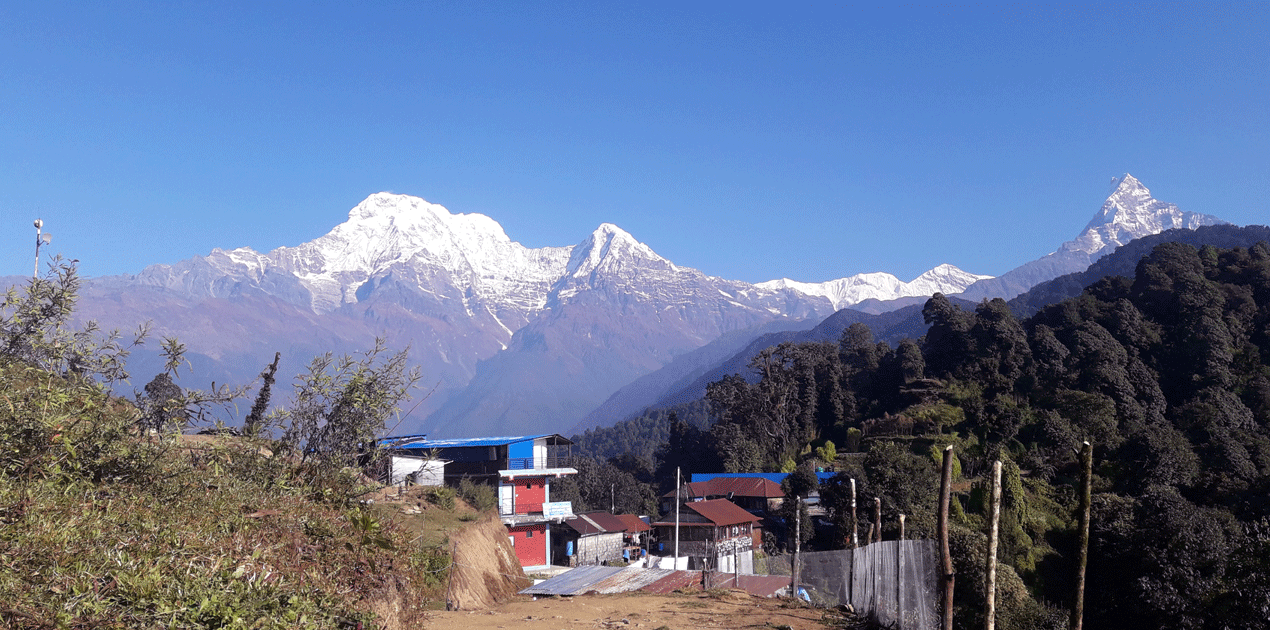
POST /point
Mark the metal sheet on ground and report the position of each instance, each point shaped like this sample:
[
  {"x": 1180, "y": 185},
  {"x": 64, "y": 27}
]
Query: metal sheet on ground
[{"x": 572, "y": 582}]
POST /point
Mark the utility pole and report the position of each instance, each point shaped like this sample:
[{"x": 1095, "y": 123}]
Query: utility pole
[{"x": 40, "y": 239}]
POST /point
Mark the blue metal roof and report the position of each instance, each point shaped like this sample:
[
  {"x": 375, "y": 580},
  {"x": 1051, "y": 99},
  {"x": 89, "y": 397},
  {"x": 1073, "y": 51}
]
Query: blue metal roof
[
  {"x": 404, "y": 442},
  {"x": 773, "y": 477}
]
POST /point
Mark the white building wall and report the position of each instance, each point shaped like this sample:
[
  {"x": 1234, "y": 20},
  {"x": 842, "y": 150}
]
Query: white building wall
[{"x": 427, "y": 472}]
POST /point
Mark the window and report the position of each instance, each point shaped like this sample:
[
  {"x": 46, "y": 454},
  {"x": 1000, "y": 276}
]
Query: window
[{"x": 529, "y": 533}]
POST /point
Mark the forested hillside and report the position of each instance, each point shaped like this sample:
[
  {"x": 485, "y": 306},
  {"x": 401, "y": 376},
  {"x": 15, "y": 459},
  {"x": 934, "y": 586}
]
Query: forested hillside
[{"x": 1165, "y": 373}]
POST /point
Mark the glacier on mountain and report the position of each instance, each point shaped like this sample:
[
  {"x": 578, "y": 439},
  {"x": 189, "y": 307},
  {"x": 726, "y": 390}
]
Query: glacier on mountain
[{"x": 845, "y": 292}]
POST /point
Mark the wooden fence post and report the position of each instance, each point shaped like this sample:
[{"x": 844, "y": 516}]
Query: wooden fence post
[
  {"x": 1082, "y": 547},
  {"x": 855, "y": 524},
  {"x": 901, "y": 527},
  {"x": 990, "y": 589},
  {"x": 947, "y": 576},
  {"x": 798, "y": 545},
  {"x": 877, "y": 519}
]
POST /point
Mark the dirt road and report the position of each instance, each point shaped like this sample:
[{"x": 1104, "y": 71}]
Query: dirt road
[{"x": 695, "y": 611}]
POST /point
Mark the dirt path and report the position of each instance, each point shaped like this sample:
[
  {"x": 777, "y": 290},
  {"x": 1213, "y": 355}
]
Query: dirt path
[{"x": 696, "y": 611}]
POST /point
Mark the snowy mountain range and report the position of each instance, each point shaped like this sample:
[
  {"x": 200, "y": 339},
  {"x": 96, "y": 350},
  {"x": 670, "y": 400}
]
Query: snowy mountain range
[
  {"x": 512, "y": 340},
  {"x": 881, "y": 286},
  {"x": 517, "y": 339}
]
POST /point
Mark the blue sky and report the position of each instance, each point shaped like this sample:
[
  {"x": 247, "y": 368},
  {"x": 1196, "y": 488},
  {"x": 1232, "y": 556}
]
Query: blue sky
[{"x": 751, "y": 141}]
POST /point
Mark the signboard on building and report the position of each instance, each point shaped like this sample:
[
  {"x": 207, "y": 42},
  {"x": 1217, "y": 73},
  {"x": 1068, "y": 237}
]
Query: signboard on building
[{"x": 557, "y": 509}]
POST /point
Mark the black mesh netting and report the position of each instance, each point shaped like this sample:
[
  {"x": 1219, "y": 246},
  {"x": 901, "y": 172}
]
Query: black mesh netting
[{"x": 893, "y": 582}]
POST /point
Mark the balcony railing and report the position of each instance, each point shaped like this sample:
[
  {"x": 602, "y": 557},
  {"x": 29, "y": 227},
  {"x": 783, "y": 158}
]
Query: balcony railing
[{"x": 533, "y": 463}]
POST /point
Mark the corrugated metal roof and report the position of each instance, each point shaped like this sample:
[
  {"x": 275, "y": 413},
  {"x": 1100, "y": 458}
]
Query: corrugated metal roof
[
  {"x": 608, "y": 580},
  {"x": 633, "y": 523},
  {"x": 673, "y": 581},
  {"x": 721, "y": 512},
  {"x": 736, "y": 486},
  {"x": 573, "y": 582},
  {"x": 597, "y": 523},
  {"x": 407, "y": 442},
  {"x": 776, "y": 478},
  {"x": 630, "y": 579}
]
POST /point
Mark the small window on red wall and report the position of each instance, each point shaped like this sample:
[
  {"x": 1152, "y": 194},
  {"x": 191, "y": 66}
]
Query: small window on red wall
[{"x": 529, "y": 533}]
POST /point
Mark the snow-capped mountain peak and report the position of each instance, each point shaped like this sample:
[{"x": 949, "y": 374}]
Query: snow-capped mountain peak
[
  {"x": 610, "y": 246},
  {"x": 1129, "y": 213},
  {"x": 845, "y": 292}
]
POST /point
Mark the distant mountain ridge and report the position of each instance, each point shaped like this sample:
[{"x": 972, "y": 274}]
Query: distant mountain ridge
[
  {"x": 511, "y": 339},
  {"x": 846, "y": 292},
  {"x": 1128, "y": 213},
  {"x": 514, "y": 339}
]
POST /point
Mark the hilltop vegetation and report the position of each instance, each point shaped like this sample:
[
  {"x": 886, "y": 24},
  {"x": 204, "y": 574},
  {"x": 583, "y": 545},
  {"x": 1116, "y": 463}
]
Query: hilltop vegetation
[
  {"x": 109, "y": 517},
  {"x": 1164, "y": 373}
]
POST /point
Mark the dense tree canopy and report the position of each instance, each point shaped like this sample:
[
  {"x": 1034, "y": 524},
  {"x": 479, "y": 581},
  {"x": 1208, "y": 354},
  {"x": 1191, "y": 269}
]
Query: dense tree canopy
[{"x": 1164, "y": 373}]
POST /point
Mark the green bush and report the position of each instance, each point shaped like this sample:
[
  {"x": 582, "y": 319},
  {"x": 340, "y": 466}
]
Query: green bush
[
  {"x": 441, "y": 497},
  {"x": 479, "y": 496}
]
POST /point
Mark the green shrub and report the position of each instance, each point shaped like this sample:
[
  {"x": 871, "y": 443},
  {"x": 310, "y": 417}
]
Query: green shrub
[
  {"x": 441, "y": 497},
  {"x": 479, "y": 496}
]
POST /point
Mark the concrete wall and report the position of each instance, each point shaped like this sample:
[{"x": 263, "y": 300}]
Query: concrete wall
[{"x": 598, "y": 548}]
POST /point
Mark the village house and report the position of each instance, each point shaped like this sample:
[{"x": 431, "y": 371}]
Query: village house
[
  {"x": 714, "y": 534},
  {"x": 588, "y": 538},
  {"x": 753, "y": 494},
  {"x": 598, "y": 538},
  {"x": 635, "y": 538},
  {"x": 520, "y": 467}
]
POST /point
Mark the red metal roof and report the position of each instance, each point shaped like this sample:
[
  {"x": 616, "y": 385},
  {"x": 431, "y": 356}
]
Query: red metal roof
[
  {"x": 721, "y": 512},
  {"x": 633, "y": 523},
  {"x": 599, "y": 523},
  {"x": 736, "y": 486}
]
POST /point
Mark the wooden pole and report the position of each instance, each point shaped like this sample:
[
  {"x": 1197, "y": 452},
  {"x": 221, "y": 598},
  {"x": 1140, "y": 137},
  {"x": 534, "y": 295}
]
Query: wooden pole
[
  {"x": 855, "y": 524},
  {"x": 947, "y": 576},
  {"x": 1082, "y": 548},
  {"x": 736, "y": 563},
  {"x": 675, "y": 564},
  {"x": 990, "y": 589},
  {"x": 798, "y": 546},
  {"x": 450, "y": 604},
  {"x": 877, "y": 519},
  {"x": 899, "y": 579}
]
